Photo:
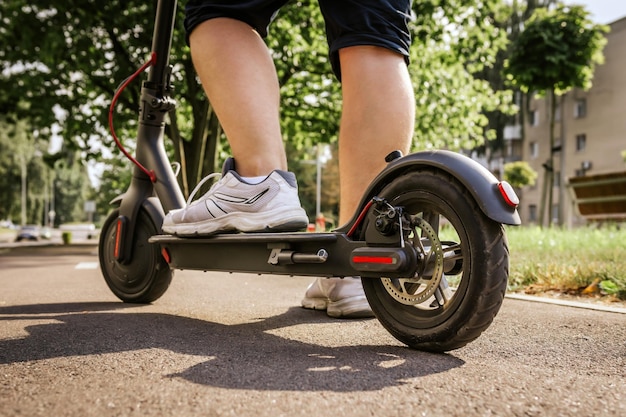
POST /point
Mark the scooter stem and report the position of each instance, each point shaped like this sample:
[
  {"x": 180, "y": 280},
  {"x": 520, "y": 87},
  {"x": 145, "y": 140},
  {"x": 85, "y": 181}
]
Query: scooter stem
[{"x": 155, "y": 104}]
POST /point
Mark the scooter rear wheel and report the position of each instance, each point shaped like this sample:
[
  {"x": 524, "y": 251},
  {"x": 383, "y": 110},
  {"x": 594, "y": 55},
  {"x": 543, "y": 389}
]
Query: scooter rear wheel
[
  {"x": 464, "y": 248},
  {"x": 146, "y": 276}
]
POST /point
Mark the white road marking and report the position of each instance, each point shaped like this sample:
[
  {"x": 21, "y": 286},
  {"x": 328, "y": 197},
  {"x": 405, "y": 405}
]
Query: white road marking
[{"x": 86, "y": 265}]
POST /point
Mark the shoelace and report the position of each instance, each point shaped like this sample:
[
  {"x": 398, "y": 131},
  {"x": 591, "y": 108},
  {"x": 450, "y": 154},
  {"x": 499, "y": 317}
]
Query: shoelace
[{"x": 205, "y": 179}]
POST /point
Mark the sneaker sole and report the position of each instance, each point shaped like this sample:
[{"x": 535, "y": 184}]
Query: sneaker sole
[
  {"x": 352, "y": 307},
  {"x": 315, "y": 303}
]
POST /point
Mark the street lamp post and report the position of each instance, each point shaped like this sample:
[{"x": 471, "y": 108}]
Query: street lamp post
[
  {"x": 52, "y": 214},
  {"x": 323, "y": 155},
  {"x": 23, "y": 195}
]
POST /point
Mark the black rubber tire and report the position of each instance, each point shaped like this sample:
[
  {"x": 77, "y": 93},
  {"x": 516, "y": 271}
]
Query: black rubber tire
[
  {"x": 483, "y": 278},
  {"x": 147, "y": 276}
]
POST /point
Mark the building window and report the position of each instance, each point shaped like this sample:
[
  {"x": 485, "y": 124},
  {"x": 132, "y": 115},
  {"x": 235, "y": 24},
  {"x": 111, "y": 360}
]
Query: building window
[
  {"x": 581, "y": 142},
  {"x": 580, "y": 108},
  {"x": 534, "y": 150},
  {"x": 532, "y": 212},
  {"x": 533, "y": 117}
]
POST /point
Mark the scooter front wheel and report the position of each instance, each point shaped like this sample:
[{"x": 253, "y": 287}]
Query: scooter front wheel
[
  {"x": 146, "y": 276},
  {"x": 463, "y": 274}
]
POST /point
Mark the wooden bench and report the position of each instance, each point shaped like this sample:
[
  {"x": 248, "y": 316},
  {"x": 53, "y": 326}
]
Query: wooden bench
[{"x": 601, "y": 197}]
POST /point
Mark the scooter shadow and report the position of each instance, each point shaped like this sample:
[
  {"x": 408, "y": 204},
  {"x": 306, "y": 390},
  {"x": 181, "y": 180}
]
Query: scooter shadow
[{"x": 241, "y": 356}]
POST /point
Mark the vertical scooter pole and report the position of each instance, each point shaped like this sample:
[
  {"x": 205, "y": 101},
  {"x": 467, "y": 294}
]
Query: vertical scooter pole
[{"x": 150, "y": 153}]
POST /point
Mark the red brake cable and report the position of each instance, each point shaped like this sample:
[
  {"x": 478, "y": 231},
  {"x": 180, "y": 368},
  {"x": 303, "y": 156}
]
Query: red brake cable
[
  {"x": 117, "y": 94},
  {"x": 360, "y": 218}
]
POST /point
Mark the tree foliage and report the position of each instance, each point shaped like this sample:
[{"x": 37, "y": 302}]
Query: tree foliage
[
  {"x": 557, "y": 50},
  {"x": 454, "y": 41},
  {"x": 509, "y": 19},
  {"x": 519, "y": 174},
  {"x": 48, "y": 182}
]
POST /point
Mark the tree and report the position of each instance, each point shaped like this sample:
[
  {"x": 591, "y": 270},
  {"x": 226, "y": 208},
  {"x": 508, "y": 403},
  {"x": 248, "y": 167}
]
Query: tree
[
  {"x": 31, "y": 178},
  {"x": 71, "y": 56},
  {"x": 557, "y": 51},
  {"x": 519, "y": 174},
  {"x": 453, "y": 43},
  {"x": 510, "y": 19}
]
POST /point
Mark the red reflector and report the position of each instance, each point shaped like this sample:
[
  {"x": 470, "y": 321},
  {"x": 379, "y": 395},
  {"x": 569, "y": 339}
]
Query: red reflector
[
  {"x": 118, "y": 238},
  {"x": 166, "y": 255},
  {"x": 373, "y": 260},
  {"x": 508, "y": 194}
]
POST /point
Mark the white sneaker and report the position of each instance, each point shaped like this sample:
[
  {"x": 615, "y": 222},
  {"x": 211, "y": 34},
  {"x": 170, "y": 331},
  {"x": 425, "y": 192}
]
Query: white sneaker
[
  {"x": 340, "y": 297},
  {"x": 235, "y": 205}
]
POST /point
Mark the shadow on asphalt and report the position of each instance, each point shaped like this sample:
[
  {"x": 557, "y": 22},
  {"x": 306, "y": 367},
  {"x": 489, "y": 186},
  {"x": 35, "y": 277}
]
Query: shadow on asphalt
[{"x": 242, "y": 356}]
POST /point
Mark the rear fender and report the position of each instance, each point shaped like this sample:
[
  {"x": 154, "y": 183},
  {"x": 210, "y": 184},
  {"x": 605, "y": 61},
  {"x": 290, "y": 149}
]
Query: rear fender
[{"x": 478, "y": 180}]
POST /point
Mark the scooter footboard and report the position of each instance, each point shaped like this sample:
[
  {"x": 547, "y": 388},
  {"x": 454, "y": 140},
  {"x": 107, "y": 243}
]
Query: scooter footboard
[{"x": 302, "y": 254}]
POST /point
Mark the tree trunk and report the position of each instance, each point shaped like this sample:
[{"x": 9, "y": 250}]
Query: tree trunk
[
  {"x": 563, "y": 195},
  {"x": 197, "y": 156},
  {"x": 173, "y": 132},
  {"x": 553, "y": 107},
  {"x": 200, "y": 152}
]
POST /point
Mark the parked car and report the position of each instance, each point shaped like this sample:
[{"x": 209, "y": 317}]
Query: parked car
[
  {"x": 7, "y": 224},
  {"x": 28, "y": 232}
]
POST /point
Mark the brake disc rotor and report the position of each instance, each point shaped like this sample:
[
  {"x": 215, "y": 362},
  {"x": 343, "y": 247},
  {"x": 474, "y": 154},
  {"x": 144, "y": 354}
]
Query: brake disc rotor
[{"x": 416, "y": 290}]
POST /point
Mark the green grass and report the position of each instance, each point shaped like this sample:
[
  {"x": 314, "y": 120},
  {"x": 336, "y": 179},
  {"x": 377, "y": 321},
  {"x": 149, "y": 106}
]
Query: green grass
[{"x": 568, "y": 261}]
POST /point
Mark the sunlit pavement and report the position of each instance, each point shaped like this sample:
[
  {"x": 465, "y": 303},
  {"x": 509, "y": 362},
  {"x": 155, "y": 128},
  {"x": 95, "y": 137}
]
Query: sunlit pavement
[{"x": 220, "y": 344}]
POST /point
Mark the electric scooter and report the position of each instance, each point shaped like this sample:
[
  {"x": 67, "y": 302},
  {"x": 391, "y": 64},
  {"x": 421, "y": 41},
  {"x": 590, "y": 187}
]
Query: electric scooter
[{"x": 427, "y": 238}]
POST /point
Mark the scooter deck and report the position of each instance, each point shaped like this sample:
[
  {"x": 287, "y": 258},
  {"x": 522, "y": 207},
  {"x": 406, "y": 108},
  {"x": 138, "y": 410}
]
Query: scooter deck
[
  {"x": 251, "y": 237},
  {"x": 305, "y": 254},
  {"x": 297, "y": 253}
]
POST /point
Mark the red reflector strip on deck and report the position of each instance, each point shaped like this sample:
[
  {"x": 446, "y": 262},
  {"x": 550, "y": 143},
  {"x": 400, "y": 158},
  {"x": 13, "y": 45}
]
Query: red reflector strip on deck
[
  {"x": 374, "y": 260},
  {"x": 166, "y": 255}
]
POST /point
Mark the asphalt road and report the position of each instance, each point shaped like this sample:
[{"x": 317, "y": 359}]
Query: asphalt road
[{"x": 233, "y": 344}]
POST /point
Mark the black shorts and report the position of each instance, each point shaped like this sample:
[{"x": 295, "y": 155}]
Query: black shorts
[{"x": 348, "y": 22}]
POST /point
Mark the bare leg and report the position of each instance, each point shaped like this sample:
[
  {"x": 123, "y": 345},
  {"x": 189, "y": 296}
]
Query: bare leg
[
  {"x": 378, "y": 117},
  {"x": 239, "y": 77}
]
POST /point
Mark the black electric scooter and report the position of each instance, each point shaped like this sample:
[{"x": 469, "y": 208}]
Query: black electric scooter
[{"x": 427, "y": 238}]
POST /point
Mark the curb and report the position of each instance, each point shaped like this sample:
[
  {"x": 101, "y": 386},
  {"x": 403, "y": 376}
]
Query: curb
[
  {"x": 574, "y": 304},
  {"x": 47, "y": 243}
]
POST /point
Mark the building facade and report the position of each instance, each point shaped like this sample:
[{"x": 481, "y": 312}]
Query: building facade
[{"x": 589, "y": 138}]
